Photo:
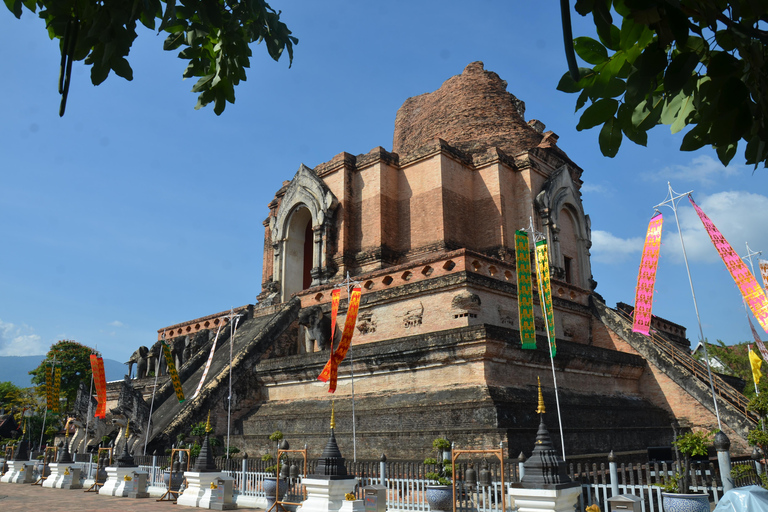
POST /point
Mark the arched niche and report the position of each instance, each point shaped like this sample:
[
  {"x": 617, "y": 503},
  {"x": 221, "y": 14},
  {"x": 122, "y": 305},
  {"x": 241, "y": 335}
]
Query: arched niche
[
  {"x": 566, "y": 227},
  {"x": 300, "y": 232}
]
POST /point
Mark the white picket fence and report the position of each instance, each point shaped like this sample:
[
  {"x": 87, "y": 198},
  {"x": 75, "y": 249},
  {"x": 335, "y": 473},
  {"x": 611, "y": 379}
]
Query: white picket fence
[{"x": 409, "y": 494}]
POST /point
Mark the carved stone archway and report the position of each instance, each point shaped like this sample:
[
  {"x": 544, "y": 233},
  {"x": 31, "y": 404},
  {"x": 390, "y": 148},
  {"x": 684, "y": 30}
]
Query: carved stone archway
[
  {"x": 559, "y": 193},
  {"x": 306, "y": 194}
]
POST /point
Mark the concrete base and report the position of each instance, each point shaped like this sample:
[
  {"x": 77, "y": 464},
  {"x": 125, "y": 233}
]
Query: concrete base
[
  {"x": 64, "y": 475},
  {"x": 327, "y": 495},
  {"x": 135, "y": 486},
  {"x": 208, "y": 490},
  {"x": 19, "y": 472},
  {"x": 544, "y": 500},
  {"x": 353, "y": 506}
]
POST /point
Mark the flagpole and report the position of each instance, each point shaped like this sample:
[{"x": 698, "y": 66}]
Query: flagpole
[
  {"x": 152, "y": 405},
  {"x": 749, "y": 255},
  {"x": 540, "y": 236},
  {"x": 671, "y": 202},
  {"x": 45, "y": 414},
  {"x": 88, "y": 417},
  {"x": 349, "y": 284},
  {"x": 232, "y": 330}
]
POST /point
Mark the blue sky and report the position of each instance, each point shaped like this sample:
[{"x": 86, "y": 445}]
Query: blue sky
[{"x": 134, "y": 211}]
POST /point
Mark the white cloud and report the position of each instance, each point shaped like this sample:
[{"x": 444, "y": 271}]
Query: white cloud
[
  {"x": 740, "y": 216},
  {"x": 703, "y": 169},
  {"x": 19, "y": 341},
  {"x": 116, "y": 323},
  {"x": 592, "y": 188},
  {"x": 607, "y": 248}
]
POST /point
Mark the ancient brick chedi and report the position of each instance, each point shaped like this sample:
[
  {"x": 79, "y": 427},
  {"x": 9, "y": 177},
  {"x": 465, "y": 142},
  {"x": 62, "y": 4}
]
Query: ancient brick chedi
[{"x": 428, "y": 231}]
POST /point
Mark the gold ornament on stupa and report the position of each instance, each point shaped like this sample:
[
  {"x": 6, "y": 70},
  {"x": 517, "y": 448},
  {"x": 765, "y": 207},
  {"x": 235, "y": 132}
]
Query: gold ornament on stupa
[
  {"x": 540, "y": 409},
  {"x": 208, "y": 422},
  {"x": 333, "y": 415}
]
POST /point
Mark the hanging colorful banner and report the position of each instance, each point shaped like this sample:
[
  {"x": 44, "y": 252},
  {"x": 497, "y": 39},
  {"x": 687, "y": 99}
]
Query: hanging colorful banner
[
  {"x": 545, "y": 291},
  {"x": 172, "y": 372},
  {"x": 335, "y": 299},
  {"x": 100, "y": 381},
  {"x": 763, "y": 265},
  {"x": 56, "y": 387},
  {"x": 524, "y": 291},
  {"x": 330, "y": 372},
  {"x": 758, "y": 341},
  {"x": 755, "y": 363},
  {"x": 750, "y": 290},
  {"x": 48, "y": 387},
  {"x": 646, "y": 277},
  {"x": 208, "y": 363}
]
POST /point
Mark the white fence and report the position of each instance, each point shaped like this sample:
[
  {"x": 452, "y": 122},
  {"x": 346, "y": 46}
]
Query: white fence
[{"x": 408, "y": 494}]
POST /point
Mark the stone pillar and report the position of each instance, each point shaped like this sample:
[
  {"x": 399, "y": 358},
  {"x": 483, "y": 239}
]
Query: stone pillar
[
  {"x": 317, "y": 250},
  {"x": 722, "y": 444},
  {"x": 382, "y": 469},
  {"x": 614, "y": 474},
  {"x": 757, "y": 456}
]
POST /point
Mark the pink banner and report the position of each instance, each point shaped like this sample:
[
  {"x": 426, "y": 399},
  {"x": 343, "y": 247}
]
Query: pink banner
[
  {"x": 750, "y": 290},
  {"x": 646, "y": 277}
]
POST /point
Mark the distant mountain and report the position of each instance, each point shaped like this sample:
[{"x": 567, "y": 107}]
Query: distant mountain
[{"x": 16, "y": 369}]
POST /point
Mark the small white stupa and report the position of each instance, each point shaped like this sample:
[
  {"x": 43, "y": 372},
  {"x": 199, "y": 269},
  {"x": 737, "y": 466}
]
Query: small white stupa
[
  {"x": 207, "y": 487},
  {"x": 125, "y": 478},
  {"x": 328, "y": 487},
  {"x": 546, "y": 486}
]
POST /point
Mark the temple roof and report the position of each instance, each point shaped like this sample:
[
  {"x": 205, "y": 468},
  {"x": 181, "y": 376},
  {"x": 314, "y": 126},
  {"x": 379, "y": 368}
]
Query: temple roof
[{"x": 472, "y": 112}]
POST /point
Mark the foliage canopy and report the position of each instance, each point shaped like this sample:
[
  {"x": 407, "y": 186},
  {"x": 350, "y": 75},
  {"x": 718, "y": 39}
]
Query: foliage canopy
[
  {"x": 679, "y": 63},
  {"x": 215, "y": 35},
  {"x": 75, "y": 367}
]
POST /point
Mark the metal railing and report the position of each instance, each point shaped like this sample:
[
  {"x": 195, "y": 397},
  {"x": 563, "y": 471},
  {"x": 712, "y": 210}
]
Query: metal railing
[{"x": 699, "y": 370}]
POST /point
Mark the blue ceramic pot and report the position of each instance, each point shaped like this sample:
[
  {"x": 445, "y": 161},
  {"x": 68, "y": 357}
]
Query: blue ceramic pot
[
  {"x": 440, "y": 497},
  {"x": 270, "y": 490},
  {"x": 685, "y": 502}
]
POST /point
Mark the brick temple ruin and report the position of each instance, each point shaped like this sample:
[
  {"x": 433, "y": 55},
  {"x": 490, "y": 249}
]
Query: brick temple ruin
[{"x": 428, "y": 231}]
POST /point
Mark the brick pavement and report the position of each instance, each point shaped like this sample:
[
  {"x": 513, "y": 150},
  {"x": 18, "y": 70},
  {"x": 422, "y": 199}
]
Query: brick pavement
[{"x": 26, "y": 497}]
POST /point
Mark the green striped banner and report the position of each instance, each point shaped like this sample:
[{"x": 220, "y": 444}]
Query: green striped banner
[{"x": 524, "y": 291}]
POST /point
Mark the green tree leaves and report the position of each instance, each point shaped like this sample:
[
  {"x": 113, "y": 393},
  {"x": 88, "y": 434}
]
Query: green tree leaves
[
  {"x": 216, "y": 35},
  {"x": 75, "y": 367},
  {"x": 697, "y": 63}
]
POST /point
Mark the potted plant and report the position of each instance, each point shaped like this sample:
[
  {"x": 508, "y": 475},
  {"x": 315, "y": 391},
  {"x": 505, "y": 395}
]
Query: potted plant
[
  {"x": 440, "y": 490},
  {"x": 270, "y": 482},
  {"x": 676, "y": 493}
]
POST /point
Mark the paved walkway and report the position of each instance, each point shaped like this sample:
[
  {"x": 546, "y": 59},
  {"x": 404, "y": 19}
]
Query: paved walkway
[{"x": 26, "y": 498}]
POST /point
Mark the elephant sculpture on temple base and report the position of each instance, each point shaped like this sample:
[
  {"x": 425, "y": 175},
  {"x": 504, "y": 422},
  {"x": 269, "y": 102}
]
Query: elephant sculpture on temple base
[
  {"x": 139, "y": 358},
  {"x": 318, "y": 328},
  {"x": 157, "y": 358}
]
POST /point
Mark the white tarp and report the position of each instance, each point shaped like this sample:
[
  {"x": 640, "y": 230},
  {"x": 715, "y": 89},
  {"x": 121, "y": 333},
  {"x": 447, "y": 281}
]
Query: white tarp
[{"x": 744, "y": 499}]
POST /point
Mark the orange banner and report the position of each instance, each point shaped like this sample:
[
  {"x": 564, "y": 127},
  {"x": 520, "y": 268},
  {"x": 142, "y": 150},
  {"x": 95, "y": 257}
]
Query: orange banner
[
  {"x": 335, "y": 298},
  {"x": 100, "y": 381},
  {"x": 330, "y": 372}
]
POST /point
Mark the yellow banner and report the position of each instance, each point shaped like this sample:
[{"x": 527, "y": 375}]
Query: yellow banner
[
  {"x": 545, "y": 292},
  {"x": 56, "y": 388},
  {"x": 755, "y": 362}
]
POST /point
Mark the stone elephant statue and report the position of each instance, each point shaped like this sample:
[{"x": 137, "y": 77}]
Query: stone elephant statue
[
  {"x": 139, "y": 358},
  {"x": 157, "y": 358},
  {"x": 318, "y": 328}
]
